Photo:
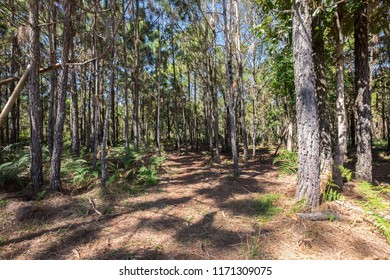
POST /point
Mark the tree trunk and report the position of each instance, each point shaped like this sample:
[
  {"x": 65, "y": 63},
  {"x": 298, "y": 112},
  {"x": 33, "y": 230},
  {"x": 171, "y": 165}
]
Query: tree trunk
[
  {"x": 363, "y": 96},
  {"x": 124, "y": 49},
  {"x": 74, "y": 112},
  {"x": 241, "y": 82},
  {"x": 307, "y": 117},
  {"x": 341, "y": 144},
  {"x": 215, "y": 91},
  {"x": 55, "y": 165},
  {"x": 136, "y": 79},
  {"x": 175, "y": 93},
  {"x": 326, "y": 160},
  {"x": 229, "y": 87},
  {"x": 35, "y": 101}
]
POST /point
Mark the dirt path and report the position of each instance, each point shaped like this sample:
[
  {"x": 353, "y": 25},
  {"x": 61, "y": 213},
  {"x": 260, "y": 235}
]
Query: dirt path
[{"x": 197, "y": 211}]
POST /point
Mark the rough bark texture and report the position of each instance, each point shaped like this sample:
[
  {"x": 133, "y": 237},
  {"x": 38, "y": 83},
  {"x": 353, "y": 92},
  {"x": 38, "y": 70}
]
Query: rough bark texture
[
  {"x": 240, "y": 83},
  {"x": 35, "y": 102},
  {"x": 326, "y": 160},
  {"x": 217, "y": 157},
  {"x": 55, "y": 165},
  {"x": 74, "y": 112},
  {"x": 307, "y": 118},
  {"x": 363, "y": 97},
  {"x": 53, "y": 78},
  {"x": 136, "y": 79},
  {"x": 126, "y": 77},
  {"x": 341, "y": 144},
  {"x": 229, "y": 87}
]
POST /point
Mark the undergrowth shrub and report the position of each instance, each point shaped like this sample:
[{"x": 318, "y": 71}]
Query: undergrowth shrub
[
  {"x": 373, "y": 202},
  {"x": 287, "y": 162},
  {"x": 10, "y": 171}
]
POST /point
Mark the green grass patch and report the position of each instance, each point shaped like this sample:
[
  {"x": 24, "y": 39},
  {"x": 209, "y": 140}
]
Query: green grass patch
[{"x": 266, "y": 206}]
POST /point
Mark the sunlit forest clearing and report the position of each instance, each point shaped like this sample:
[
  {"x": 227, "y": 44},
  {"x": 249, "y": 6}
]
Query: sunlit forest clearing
[{"x": 208, "y": 129}]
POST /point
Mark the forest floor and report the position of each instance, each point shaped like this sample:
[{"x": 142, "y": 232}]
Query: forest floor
[{"x": 195, "y": 211}]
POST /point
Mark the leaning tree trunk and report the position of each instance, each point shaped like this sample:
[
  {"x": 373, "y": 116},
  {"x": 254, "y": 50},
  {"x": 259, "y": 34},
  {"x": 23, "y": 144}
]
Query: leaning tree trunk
[
  {"x": 326, "y": 160},
  {"x": 55, "y": 165},
  {"x": 35, "y": 101},
  {"x": 363, "y": 97},
  {"x": 307, "y": 116}
]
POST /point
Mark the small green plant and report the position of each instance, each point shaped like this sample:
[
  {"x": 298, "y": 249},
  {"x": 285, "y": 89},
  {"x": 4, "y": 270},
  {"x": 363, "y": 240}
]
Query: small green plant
[
  {"x": 251, "y": 247},
  {"x": 41, "y": 195},
  {"x": 287, "y": 162},
  {"x": 2, "y": 239},
  {"x": 3, "y": 202},
  {"x": 147, "y": 176},
  {"x": 78, "y": 170},
  {"x": 373, "y": 203},
  {"x": 299, "y": 206},
  {"x": 383, "y": 226},
  {"x": 332, "y": 218},
  {"x": 265, "y": 205},
  {"x": 332, "y": 192},
  {"x": 346, "y": 173},
  {"x": 372, "y": 197},
  {"x": 10, "y": 171}
]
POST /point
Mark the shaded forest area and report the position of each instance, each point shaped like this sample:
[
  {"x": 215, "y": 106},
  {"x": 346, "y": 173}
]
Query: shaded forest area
[{"x": 207, "y": 129}]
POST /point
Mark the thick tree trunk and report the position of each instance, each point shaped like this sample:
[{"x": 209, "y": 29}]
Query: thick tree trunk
[
  {"x": 363, "y": 96},
  {"x": 55, "y": 165},
  {"x": 326, "y": 160},
  {"x": 341, "y": 143},
  {"x": 35, "y": 101},
  {"x": 307, "y": 117},
  {"x": 229, "y": 87}
]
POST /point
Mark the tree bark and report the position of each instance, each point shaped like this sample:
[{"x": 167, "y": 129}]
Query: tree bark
[
  {"x": 363, "y": 96},
  {"x": 240, "y": 83},
  {"x": 137, "y": 43},
  {"x": 229, "y": 87},
  {"x": 55, "y": 165},
  {"x": 307, "y": 117},
  {"x": 124, "y": 49},
  {"x": 35, "y": 101},
  {"x": 53, "y": 77},
  {"x": 326, "y": 160},
  {"x": 75, "y": 141},
  {"x": 341, "y": 143}
]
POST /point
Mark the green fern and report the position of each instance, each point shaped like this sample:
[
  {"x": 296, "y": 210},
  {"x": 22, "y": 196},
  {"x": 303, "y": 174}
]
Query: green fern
[
  {"x": 287, "y": 161},
  {"x": 383, "y": 226},
  {"x": 332, "y": 192},
  {"x": 374, "y": 203},
  {"x": 10, "y": 171},
  {"x": 345, "y": 173}
]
